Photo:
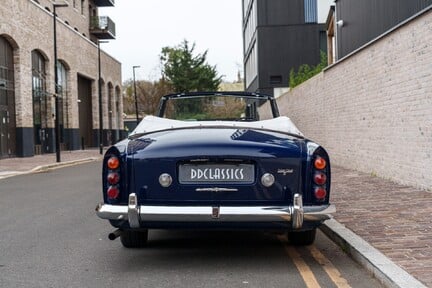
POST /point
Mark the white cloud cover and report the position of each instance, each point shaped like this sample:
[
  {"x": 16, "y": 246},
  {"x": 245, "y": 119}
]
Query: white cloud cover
[{"x": 143, "y": 27}]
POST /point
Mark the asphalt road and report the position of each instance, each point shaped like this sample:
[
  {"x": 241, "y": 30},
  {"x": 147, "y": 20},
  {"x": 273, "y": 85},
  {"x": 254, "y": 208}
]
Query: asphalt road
[{"x": 51, "y": 237}]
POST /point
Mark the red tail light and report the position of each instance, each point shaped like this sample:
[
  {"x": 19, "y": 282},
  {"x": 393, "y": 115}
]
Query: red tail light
[
  {"x": 320, "y": 178},
  {"x": 320, "y": 193},
  {"x": 113, "y": 178},
  {"x": 113, "y": 192}
]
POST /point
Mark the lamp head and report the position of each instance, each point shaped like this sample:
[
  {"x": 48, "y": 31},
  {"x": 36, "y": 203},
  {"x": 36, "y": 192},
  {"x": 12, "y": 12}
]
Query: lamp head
[{"x": 61, "y": 4}]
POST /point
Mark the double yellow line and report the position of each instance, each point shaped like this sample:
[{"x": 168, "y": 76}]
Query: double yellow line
[{"x": 305, "y": 271}]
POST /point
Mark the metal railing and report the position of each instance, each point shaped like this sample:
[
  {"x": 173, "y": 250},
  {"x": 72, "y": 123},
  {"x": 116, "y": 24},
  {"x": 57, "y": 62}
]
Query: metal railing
[
  {"x": 102, "y": 25},
  {"x": 104, "y": 3}
]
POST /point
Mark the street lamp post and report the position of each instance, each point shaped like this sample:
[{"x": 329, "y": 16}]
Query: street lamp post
[
  {"x": 136, "y": 100},
  {"x": 57, "y": 120},
  {"x": 100, "y": 99}
]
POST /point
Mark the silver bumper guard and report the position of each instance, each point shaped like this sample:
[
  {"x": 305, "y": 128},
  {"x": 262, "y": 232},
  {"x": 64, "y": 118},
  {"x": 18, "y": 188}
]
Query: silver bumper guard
[{"x": 134, "y": 214}]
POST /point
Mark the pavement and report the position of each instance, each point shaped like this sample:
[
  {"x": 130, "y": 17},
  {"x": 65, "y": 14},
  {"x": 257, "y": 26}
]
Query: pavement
[{"x": 384, "y": 226}]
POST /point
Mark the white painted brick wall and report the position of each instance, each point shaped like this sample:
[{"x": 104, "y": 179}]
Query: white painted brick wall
[{"x": 373, "y": 110}]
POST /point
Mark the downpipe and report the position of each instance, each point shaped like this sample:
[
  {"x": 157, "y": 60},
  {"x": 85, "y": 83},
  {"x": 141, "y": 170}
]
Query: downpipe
[{"x": 115, "y": 234}]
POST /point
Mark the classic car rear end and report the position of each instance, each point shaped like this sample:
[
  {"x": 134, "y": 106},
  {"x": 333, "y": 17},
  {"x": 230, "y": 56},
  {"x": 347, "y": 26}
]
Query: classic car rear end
[{"x": 216, "y": 174}]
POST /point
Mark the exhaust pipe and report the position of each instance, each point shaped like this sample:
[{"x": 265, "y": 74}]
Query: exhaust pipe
[{"x": 115, "y": 234}]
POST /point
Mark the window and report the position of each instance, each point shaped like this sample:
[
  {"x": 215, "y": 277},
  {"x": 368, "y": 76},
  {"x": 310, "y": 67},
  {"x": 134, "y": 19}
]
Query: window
[
  {"x": 310, "y": 10},
  {"x": 40, "y": 102},
  {"x": 251, "y": 65},
  {"x": 6, "y": 71},
  {"x": 118, "y": 114},
  {"x": 110, "y": 112},
  {"x": 63, "y": 100},
  {"x": 7, "y": 99},
  {"x": 245, "y": 7},
  {"x": 250, "y": 27}
]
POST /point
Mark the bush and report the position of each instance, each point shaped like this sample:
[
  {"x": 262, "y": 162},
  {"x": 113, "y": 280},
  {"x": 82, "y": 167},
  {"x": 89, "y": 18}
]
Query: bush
[{"x": 305, "y": 71}]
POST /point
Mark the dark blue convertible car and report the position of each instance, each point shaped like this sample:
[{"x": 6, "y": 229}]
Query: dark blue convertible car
[{"x": 210, "y": 161}]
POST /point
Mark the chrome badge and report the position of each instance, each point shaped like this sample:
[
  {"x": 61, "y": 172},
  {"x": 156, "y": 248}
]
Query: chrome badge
[{"x": 284, "y": 172}]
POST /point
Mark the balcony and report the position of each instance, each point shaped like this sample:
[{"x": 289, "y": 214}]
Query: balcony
[
  {"x": 102, "y": 27},
  {"x": 104, "y": 3}
]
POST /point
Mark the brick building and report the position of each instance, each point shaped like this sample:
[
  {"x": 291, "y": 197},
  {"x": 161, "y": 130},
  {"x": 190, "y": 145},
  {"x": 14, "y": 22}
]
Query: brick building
[{"x": 27, "y": 77}]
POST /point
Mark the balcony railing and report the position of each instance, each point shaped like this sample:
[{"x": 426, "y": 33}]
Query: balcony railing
[
  {"x": 104, "y": 3},
  {"x": 102, "y": 27}
]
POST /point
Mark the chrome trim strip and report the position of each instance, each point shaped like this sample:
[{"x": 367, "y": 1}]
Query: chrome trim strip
[{"x": 216, "y": 189}]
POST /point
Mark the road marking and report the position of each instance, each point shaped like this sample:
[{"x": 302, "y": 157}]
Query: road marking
[
  {"x": 305, "y": 272},
  {"x": 303, "y": 268},
  {"x": 329, "y": 268}
]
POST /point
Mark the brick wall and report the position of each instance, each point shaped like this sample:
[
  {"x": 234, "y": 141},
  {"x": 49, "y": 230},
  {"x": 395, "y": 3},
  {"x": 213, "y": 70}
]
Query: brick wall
[
  {"x": 78, "y": 19},
  {"x": 373, "y": 110},
  {"x": 29, "y": 26}
]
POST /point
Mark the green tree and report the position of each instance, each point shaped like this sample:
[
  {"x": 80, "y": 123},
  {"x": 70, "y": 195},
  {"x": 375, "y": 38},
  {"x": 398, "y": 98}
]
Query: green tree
[
  {"x": 305, "y": 71},
  {"x": 187, "y": 72}
]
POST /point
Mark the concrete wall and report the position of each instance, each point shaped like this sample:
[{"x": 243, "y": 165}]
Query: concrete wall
[{"x": 373, "y": 110}]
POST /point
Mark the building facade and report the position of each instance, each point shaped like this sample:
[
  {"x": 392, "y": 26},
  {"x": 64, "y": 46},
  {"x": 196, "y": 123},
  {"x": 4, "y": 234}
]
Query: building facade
[
  {"x": 278, "y": 36},
  {"x": 28, "y": 89},
  {"x": 355, "y": 23},
  {"x": 374, "y": 106}
]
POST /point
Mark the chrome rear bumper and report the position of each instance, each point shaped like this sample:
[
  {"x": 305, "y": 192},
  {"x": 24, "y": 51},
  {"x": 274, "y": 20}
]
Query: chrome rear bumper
[{"x": 134, "y": 214}]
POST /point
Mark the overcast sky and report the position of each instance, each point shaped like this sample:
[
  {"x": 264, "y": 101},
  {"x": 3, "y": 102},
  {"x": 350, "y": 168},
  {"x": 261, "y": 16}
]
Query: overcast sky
[{"x": 143, "y": 27}]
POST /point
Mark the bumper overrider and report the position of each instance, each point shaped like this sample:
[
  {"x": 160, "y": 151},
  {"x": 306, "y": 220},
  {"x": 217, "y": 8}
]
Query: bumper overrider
[{"x": 134, "y": 213}]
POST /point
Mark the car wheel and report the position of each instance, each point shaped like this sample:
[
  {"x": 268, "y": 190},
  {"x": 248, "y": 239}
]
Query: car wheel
[
  {"x": 301, "y": 238},
  {"x": 134, "y": 239}
]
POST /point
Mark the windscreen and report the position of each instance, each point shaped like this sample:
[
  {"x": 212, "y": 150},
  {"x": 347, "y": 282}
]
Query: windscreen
[{"x": 214, "y": 107}]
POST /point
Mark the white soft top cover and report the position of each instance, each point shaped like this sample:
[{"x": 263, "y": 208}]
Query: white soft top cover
[{"x": 153, "y": 123}]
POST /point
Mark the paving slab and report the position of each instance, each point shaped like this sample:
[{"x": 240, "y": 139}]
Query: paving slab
[{"x": 394, "y": 219}]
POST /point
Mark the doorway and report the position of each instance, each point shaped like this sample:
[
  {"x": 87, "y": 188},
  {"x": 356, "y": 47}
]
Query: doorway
[
  {"x": 85, "y": 111},
  {"x": 7, "y": 101},
  {"x": 40, "y": 103}
]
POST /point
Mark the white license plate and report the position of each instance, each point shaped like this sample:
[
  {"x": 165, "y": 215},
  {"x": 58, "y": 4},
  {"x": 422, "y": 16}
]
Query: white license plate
[{"x": 216, "y": 173}]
